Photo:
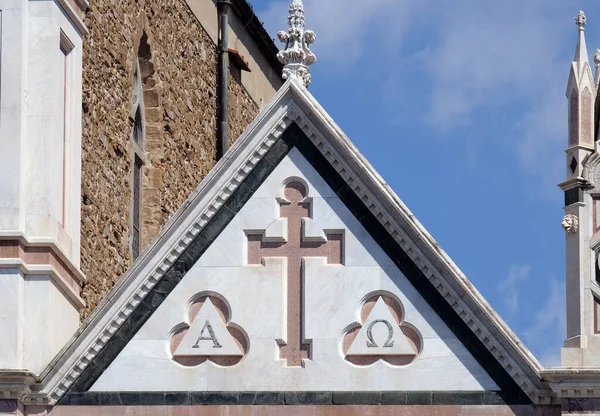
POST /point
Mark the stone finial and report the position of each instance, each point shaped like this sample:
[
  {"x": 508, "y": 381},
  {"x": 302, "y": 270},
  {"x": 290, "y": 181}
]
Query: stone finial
[
  {"x": 297, "y": 56},
  {"x": 581, "y": 55},
  {"x": 580, "y": 20}
]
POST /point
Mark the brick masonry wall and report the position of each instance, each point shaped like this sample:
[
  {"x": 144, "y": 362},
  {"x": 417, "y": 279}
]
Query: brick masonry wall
[{"x": 179, "y": 77}]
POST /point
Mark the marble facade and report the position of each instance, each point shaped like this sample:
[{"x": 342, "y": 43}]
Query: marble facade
[
  {"x": 333, "y": 298},
  {"x": 293, "y": 279},
  {"x": 294, "y": 276}
]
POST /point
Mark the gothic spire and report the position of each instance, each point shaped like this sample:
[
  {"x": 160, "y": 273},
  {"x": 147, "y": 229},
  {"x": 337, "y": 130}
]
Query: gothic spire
[
  {"x": 297, "y": 56},
  {"x": 581, "y": 93},
  {"x": 597, "y": 62}
]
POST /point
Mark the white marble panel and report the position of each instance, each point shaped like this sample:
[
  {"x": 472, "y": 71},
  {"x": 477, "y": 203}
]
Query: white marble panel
[
  {"x": 333, "y": 297},
  {"x": 11, "y": 321},
  {"x": 260, "y": 213},
  {"x": 335, "y": 291},
  {"x": 12, "y": 96},
  {"x": 360, "y": 249},
  {"x": 12, "y": 4},
  {"x": 146, "y": 366},
  {"x": 265, "y": 300},
  {"x": 50, "y": 320}
]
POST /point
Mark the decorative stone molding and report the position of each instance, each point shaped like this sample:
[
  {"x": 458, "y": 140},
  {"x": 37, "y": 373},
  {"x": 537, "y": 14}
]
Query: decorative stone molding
[
  {"x": 570, "y": 223},
  {"x": 18, "y": 385},
  {"x": 589, "y": 174},
  {"x": 297, "y": 55},
  {"x": 42, "y": 259},
  {"x": 573, "y": 382},
  {"x": 292, "y": 103}
]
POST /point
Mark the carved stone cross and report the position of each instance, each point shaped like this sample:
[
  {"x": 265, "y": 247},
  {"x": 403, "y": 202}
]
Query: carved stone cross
[{"x": 294, "y": 208}]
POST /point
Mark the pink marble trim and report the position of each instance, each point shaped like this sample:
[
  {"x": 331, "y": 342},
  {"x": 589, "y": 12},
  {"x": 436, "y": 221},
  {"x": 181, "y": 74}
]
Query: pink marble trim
[
  {"x": 295, "y": 208},
  {"x": 411, "y": 334},
  {"x": 223, "y": 310},
  {"x": 65, "y": 277}
]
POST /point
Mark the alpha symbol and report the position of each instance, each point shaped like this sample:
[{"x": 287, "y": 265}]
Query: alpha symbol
[
  {"x": 372, "y": 344},
  {"x": 211, "y": 336},
  {"x": 208, "y": 336}
]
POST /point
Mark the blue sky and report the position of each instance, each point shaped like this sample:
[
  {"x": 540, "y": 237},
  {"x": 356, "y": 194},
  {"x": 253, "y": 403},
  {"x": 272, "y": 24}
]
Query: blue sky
[{"x": 460, "y": 105}]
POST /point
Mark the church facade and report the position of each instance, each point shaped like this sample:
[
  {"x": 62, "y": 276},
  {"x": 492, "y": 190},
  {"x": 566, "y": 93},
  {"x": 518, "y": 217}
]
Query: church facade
[{"x": 185, "y": 230}]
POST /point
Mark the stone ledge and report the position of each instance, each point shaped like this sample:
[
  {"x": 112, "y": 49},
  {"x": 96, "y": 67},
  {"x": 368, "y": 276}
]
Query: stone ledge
[
  {"x": 43, "y": 259},
  {"x": 288, "y": 398}
]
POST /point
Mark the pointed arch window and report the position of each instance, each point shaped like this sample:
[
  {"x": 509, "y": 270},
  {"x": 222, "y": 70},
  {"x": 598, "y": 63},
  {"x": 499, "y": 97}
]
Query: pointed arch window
[{"x": 138, "y": 155}]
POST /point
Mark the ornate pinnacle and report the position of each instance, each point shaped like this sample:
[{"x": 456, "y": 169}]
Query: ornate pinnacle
[
  {"x": 297, "y": 56},
  {"x": 597, "y": 62},
  {"x": 580, "y": 20}
]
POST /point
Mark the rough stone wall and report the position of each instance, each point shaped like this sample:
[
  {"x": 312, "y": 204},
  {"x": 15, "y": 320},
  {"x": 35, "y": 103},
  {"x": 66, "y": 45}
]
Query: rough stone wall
[{"x": 179, "y": 77}]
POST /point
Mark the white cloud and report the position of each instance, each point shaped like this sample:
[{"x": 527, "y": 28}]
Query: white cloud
[
  {"x": 547, "y": 333},
  {"x": 491, "y": 53},
  {"x": 493, "y": 57},
  {"x": 509, "y": 288},
  {"x": 345, "y": 29},
  {"x": 482, "y": 58}
]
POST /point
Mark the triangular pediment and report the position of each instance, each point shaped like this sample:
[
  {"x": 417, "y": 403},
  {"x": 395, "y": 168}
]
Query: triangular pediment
[{"x": 309, "y": 271}]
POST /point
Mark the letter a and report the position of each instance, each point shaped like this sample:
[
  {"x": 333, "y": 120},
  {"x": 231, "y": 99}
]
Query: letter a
[
  {"x": 208, "y": 325},
  {"x": 212, "y": 336}
]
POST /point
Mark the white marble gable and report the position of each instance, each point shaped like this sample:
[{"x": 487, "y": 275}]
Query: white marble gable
[{"x": 247, "y": 307}]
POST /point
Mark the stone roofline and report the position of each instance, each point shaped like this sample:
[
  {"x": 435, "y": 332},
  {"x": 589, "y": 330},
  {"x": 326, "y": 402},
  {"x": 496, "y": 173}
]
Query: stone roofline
[
  {"x": 257, "y": 31},
  {"x": 76, "y": 9}
]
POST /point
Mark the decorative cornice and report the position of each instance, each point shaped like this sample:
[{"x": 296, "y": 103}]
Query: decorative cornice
[
  {"x": 17, "y": 252},
  {"x": 573, "y": 183},
  {"x": 384, "y": 204},
  {"x": 46, "y": 243},
  {"x": 297, "y": 56},
  {"x": 570, "y": 382},
  {"x": 19, "y": 385}
]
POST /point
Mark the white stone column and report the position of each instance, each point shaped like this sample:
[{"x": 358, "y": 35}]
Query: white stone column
[{"x": 40, "y": 179}]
